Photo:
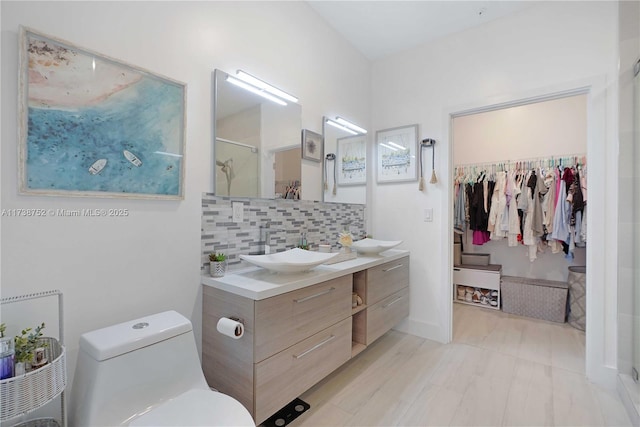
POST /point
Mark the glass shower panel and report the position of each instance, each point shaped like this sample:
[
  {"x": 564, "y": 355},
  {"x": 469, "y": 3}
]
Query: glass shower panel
[
  {"x": 636, "y": 221},
  {"x": 237, "y": 169}
]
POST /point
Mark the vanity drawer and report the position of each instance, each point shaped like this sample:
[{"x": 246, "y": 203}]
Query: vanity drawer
[
  {"x": 386, "y": 314},
  {"x": 283, "y": 320},
  {"x": 286, "y": 375},
  {"x": 385, "y": 279}
]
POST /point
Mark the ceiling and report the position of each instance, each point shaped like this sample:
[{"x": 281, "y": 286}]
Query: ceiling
[{"x": 381, "y": 28}]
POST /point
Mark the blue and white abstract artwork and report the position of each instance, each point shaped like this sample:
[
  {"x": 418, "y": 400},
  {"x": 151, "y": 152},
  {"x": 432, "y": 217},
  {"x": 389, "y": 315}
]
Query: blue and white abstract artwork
[{"x": 97, "y": 127}]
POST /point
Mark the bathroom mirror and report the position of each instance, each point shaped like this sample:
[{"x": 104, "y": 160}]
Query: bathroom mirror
[
  {"x": 248, "y": 132},
  {"x": 344, "y": 145}
]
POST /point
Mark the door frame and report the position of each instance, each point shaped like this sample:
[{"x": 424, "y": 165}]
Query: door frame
[{"x": 601, "y": 307}]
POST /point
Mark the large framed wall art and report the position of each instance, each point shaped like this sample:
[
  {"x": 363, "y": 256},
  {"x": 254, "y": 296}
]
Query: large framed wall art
[
  {"x": 352, "y": 160},
  {"x": 396, "y": 154},
  {"x": 91, "y": 125}
]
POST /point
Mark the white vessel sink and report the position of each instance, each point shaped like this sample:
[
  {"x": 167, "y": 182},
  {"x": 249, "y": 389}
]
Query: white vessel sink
[
  {"x": 291, "y": 261},
  {"x": 373, "y": 246}
]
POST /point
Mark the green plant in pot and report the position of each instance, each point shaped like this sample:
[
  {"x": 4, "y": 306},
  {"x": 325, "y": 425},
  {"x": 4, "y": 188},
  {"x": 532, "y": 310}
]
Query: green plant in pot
[
  {"x": 217, "y": 264},
  {"x": 25, "y": 347}
]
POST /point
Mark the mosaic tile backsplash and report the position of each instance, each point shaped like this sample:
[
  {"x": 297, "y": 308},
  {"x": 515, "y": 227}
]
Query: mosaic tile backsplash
[{"x": 287, "y": 219}]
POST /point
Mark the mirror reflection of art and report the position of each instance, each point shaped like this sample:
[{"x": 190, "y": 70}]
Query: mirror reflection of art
[
  {"x": 396, "y": 154},
  {"x": 352, "y": 160},
  {"x": 94, "y": 126},
  {"x": 312, "y": 145}
]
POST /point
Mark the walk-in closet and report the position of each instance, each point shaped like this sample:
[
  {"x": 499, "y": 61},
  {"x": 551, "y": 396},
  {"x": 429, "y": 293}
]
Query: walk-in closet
[{"x": 520, "y": 221}]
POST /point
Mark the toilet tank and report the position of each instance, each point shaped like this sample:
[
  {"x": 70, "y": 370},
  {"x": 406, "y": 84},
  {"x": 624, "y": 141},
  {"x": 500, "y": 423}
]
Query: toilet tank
[{"x": 126, "y": 369}]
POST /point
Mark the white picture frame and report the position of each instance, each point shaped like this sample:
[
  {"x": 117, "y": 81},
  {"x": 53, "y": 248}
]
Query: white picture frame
[
  {"x": 396, "y": 154},
  {"x": 121, "y": 135},
  {"x": 312, "y": 146},
  {"x": 351, "y": 158}
]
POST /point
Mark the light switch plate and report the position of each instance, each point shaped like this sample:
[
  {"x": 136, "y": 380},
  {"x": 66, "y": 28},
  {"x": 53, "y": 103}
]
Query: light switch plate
[
  {"x": 238, "y": 211},
  {"x": 428, "y": 215}
]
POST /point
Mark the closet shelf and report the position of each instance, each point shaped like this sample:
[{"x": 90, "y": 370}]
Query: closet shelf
[{"x": 473, "y": 284}]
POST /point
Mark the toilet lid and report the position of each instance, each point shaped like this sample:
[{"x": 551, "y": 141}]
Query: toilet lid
[{"x": 197, "y": 407}]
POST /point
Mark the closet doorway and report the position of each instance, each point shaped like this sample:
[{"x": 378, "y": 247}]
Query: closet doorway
[{"x": 489, "y": 148}]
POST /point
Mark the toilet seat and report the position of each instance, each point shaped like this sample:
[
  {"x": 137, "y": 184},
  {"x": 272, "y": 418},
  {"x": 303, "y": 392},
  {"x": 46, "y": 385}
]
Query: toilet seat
[{"x": 197, "y": 407}]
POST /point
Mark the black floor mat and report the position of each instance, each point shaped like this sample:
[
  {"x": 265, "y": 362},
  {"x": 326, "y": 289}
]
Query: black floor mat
[{"x": 287, "y": 414}]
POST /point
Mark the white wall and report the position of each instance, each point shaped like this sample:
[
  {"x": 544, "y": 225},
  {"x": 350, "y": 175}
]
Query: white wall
[
  {"x": 550, "y": 128},
  {"x": 550, "y": 47},
  {"x": 116, "y": 269}
]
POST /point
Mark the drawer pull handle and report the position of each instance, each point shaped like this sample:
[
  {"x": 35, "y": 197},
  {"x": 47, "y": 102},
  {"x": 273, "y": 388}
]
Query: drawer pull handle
[
  {"x": 319, "y": 294},
  {"x": 392, "y": 302},
  {"x": 456, "y": 269},
  {"x": 393, "y": 268},
  {"x": 315, "y": 347}
]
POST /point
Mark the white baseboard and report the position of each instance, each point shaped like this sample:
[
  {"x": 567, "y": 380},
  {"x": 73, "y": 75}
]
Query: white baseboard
[
  {"x": 604, "y": 376},
  {"x": 430, "y": 331}
]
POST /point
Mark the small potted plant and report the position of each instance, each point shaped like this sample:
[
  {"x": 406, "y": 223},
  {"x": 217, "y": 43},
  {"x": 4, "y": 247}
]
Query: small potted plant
[
  {"x": 217, "y": 264},
  {"x": 25, "y": 348}
]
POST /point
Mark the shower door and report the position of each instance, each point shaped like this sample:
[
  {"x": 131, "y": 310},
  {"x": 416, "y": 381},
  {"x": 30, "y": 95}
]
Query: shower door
[
  {"x": 237, "y": 169},
  {"x": 636, "y": 221}
]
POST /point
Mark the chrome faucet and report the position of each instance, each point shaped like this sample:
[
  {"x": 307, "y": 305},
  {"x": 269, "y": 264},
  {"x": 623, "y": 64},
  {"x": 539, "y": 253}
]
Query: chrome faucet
[{"x": 265, "y": 237}]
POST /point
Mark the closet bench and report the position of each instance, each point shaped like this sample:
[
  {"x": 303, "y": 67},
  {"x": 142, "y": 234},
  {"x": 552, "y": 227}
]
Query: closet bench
[
  {"x": 539, "y": 298},
  {"x": 477, "y": 285}
]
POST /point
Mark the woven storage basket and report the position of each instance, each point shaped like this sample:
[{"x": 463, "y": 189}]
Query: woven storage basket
[
  {"x": 25, "y": 393},
  {"x": 542, "y": 299}
]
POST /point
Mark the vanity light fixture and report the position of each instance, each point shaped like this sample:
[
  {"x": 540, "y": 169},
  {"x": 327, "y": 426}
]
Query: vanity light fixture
[
  {"x": 350, "y": 125},
  {"x": 254, "y": 81},
  {"x": 341, "y": 127},
  {"x": 253, "y": 89}
]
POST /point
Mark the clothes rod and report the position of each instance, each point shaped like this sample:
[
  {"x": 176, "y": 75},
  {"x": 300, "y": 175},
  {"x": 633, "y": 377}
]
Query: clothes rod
[
  {"x": 550, "y": 161},
  {"x": 239, "y": 144}
]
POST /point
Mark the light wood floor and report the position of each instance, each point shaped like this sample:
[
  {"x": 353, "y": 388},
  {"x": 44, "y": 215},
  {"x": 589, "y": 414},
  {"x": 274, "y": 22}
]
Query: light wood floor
[{"x": 499, "y": 370}]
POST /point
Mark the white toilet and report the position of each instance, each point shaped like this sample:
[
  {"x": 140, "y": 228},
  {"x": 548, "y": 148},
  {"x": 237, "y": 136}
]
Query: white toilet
[{"x": 146, "y": 372}]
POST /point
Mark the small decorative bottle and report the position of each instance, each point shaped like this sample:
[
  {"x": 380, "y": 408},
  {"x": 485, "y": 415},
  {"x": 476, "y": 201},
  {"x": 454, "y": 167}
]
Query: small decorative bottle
[{"x": 7, "y": 354}]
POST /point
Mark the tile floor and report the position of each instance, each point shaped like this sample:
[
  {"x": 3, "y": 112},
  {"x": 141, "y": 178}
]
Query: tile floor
[{"x": 500, "y": 370}]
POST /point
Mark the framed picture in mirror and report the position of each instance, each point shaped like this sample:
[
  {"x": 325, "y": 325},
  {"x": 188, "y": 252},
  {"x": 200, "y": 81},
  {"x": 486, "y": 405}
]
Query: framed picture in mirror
[
  {"x": 396, "y": 150},
  {"x": 352, "y": 160},
  {"x": 312, "y": 145}
]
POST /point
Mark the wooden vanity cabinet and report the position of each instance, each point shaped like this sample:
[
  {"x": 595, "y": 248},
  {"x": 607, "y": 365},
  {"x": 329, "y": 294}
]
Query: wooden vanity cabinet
[
  {"x": 295, "y": 339},
  {"x": 291, "y": 342}
]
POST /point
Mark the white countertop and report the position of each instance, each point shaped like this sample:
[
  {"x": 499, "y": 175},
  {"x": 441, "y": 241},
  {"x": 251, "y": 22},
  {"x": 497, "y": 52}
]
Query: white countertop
[{"x": 257, "y": 283}]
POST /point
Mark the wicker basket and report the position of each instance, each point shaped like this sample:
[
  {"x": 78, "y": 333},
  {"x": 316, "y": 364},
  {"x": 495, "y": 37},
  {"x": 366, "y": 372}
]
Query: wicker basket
[
  {"x": 542, "y": 299},
  {"x": 25, "y": 393}
]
